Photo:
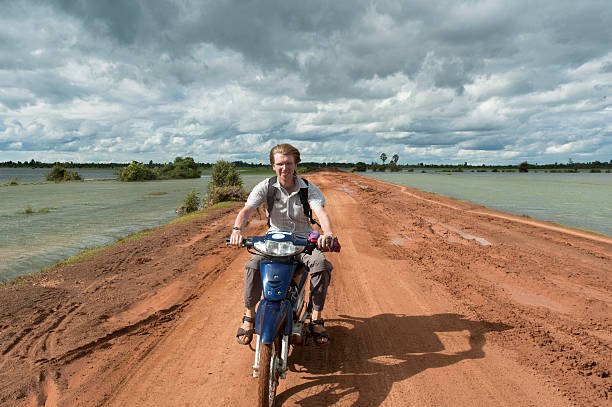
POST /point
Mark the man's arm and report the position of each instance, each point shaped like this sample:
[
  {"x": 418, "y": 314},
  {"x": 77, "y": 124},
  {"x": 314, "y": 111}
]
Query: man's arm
[
  {"x": 240, "y": 223},
  {"x": 325, "y": 240}
]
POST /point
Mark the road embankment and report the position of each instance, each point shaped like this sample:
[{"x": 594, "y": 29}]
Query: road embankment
[{"x": 428, "y": 293}]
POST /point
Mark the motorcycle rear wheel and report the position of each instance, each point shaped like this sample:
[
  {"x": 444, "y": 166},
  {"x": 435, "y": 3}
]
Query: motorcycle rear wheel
[{"x": 269, "y": 361}]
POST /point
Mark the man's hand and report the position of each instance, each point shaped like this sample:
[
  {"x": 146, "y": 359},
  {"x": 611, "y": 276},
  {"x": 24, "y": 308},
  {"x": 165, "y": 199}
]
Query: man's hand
[
  {"x": 325, "y": 242},
  {"x": 236, "y": 237},
  {"x": 241, "y": 220}
]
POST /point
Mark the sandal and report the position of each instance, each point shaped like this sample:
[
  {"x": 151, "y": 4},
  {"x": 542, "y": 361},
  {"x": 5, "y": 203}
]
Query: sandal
[
  {"x": 319, "y": 336},
  {"x": 245, "y": 332}
]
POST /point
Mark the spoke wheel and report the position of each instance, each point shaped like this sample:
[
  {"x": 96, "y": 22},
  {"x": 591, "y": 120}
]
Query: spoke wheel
[{"x": 269, "y": 362}]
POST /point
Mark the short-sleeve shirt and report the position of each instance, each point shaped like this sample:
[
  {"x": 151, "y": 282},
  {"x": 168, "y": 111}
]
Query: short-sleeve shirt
[{"x": 287, "y": 213}]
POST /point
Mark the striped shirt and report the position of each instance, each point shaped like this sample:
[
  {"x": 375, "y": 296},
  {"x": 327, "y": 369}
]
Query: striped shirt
[{"x": 287, "y": 212}]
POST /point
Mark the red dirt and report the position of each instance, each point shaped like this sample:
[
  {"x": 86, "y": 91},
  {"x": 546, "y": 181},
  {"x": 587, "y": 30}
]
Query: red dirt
[{"x": 433, "y": 301}]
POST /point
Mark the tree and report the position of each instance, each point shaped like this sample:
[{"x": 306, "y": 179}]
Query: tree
[
  {"x": 395, "y": 158},
  {"x": 383, "y": 158},
  {"x": 393, "y": 167},
  {"x": 524, "y": 167},
  {"x": 191, "y": 202},
  {"x": 136, "y": 172},
  {"x": 225, "y": 184},
  {"x": 181, "y": 168},
  {"x": 360, "y": 166},
  {"x": 225, "y": 174}
]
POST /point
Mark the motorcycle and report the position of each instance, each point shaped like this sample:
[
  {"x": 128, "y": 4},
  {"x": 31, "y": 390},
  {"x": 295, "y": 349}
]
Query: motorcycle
[{"x": 283, "y": 315}]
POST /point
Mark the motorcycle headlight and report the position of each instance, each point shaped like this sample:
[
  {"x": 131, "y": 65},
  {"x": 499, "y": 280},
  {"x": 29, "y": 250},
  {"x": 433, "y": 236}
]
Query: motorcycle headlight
[{"x": 273, "y": 248}]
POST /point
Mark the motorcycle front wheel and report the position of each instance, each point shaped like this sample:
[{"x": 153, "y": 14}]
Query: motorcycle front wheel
[{"x": 269, "y": 373}]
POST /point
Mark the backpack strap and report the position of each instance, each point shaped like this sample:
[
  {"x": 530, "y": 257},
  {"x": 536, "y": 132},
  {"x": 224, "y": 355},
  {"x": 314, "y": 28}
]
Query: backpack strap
[
  {"x": 306, "y": 205},
  {"x": 271, "y": 194}
]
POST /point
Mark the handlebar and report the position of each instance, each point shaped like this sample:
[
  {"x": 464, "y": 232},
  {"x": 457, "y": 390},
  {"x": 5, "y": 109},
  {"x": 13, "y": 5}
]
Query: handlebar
[
  {"x": 242, "y": 244},
  {"x": 335, "y": 246}
]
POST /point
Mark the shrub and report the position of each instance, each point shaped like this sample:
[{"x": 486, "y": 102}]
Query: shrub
[
  {"x": 595, "y": 170},
  {"x": 59, "y": 173},
  {"x": 360, "y": 166},
  {"x": 192, "y": 201},
  {"x": 136, "y": 172},
  {"x": 225, "y": 184},
  {"x": 225, "y": 174},
  {"x": 523, "y": 167},
  {"x": 181, "y": 168},
  {"x": 378, "y": 167},
  {"x": 393, "y": 167}
]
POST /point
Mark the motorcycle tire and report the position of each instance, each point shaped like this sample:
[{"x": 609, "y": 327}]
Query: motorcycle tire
[{"x": 269, "y": 360}]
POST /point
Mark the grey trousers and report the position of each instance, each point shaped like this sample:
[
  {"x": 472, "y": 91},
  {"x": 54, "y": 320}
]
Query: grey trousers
[{"x": 320, "y": 276}]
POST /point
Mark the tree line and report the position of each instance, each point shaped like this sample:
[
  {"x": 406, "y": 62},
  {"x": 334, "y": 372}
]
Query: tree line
[{"x": 346, "y": 165}]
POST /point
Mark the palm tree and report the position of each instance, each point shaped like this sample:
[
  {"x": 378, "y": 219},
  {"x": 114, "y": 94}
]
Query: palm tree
[
  {"x": 383, "y": 157},
  {"x": 395, "y": 158}
]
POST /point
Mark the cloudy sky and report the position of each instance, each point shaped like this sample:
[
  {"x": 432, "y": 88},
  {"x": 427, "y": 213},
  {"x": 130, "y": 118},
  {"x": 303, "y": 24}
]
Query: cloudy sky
[{"x": 343, "y": 80}]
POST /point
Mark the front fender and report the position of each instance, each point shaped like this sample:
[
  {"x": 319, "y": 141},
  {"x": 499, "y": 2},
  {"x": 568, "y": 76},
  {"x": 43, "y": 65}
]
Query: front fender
[{"x": 271, "y": 315}]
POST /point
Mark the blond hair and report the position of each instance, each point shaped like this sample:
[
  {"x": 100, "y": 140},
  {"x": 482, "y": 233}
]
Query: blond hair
[{"x": 284, "y": 149}]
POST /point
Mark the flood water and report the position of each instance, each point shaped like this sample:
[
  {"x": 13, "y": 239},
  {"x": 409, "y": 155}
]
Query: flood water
[
  {"x": 579, "y": 200},
  {"x": 80, "y": 215},
  {"x": 30, "y": 175}
]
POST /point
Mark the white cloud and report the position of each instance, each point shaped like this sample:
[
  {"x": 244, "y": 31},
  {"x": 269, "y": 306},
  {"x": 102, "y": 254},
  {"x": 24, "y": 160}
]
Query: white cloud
[{"x": 486, "y": 81}]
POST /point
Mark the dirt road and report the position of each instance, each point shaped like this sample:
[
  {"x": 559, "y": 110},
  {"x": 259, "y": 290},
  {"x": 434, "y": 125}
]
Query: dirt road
[{"x": 433, "y": 302}]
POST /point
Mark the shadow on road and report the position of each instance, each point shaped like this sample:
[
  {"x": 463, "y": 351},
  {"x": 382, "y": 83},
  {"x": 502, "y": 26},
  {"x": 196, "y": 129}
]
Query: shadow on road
[{"x": 368, "y": 355}]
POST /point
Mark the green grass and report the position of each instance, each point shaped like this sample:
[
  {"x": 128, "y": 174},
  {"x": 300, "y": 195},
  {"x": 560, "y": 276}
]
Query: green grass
[
  {"x": 157, "y": 193},
  {"x": 29, "y": 211},
  {"x": 202, "y": 213}
]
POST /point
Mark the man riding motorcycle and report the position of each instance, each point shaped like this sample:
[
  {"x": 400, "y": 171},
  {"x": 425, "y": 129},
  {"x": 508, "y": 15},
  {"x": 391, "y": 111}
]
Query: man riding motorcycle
[{"x": 287, "y": 213}]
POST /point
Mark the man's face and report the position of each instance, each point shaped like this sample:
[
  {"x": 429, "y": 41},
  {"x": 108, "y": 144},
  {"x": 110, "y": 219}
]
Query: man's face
[{"x": 284, "y": 165}]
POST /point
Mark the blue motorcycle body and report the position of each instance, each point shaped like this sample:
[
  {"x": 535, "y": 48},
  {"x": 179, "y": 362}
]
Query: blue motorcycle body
[{"x": 276, "y": 310}]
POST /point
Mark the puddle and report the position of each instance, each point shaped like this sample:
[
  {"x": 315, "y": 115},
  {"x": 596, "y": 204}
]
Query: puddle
[
  {"x": 529, "y": 299},
  {"x": 399, "y": 240},
  {"x": 466, "y": 236},
  {"x": 455, "y": 240},
  {"x": 589, "y": 292},
  {"x": 344, "y": 189}
]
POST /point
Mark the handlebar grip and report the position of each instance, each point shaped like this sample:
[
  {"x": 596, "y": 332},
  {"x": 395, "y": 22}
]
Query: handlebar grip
[
  {"x": 335, "y": 247},
  {"x": 242, "y": 244}
]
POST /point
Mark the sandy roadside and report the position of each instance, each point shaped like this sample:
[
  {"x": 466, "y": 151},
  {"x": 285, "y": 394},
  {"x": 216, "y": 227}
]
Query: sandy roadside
[{"x": 440, "y": 294}]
